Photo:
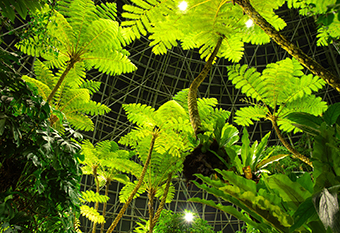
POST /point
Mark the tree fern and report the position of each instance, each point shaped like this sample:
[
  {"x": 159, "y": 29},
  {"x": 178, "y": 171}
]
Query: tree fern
[
  {"x": 82, "y": 33},
  {"x": 282, "y": 88},
  {"x": 199, "y": 26}
]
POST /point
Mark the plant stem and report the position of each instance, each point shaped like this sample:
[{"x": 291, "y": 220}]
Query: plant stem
[
  {"x": 287, "y": 145},
  {"x": 105, "y": 204},
  {"x": 140, "y": 181},
  {"x": 97, "y": 191},
  {"x": 69, "y": 66},
  {"x": 192, "y": 94},
  {"x": 161, "y": 205},
  {"x": 291, "y": 48},
  {"x": 151, "y": 196}
]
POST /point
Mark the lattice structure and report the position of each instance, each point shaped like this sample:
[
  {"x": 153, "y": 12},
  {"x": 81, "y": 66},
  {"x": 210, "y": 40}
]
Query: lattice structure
[{"x": 158, "y": 78}]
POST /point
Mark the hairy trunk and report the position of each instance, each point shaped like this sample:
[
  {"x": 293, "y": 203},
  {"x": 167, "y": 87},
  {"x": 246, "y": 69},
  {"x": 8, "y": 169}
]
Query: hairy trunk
[
  {"x": 295, "y": 153},
  {"x": 192, "y": 95},
  {"x": 69, "y": 66},
  {"x": 161, "y": 205},
  {"x": 151, "y": 196},
  {"x": 97, "y": 191},
  {"x": 105, "y": 204},
  {"x": 291, "y": 48},
  {"x": 140, "y": 181}
]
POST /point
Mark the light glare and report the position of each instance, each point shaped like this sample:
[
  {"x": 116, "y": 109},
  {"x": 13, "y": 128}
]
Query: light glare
[
  {"x": 183, "y": 6},
  {"x": 189, "y": 217},
  {"x": 249, "y": 23}
]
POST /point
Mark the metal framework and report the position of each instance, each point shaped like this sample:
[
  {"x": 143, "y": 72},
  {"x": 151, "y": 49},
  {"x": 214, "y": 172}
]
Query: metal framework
[{"x": 159, "y": 78}]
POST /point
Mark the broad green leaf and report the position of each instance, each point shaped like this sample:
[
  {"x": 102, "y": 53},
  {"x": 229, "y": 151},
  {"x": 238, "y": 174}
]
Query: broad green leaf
[
  {"x": 332, "y": 114},
  {"x": 291, "y": 192},
  {"x": 239, "y": 181},
  {"x": 303, "y": 213}
]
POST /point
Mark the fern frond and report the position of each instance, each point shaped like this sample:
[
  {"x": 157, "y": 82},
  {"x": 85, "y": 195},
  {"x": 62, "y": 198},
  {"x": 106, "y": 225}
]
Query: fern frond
[
  {"x": 80, "y": 121},
  {"x": 44, "y": 74},
  {"x": 181, "y": 98},
  {"x": 140, "y": 114},
  {"x": 127, "y": 166},
  {"x": 90, "y": 85},
  {"x": 80, "y": 14},
  {"x": 245, "y": 116},
  {"x": 248, "y": 80},
  {"x": 305, "y": 86},
  {"x": 107, "y": 10},
  {"x": 60, "y": 29},
  {"x": 280, "y": 80},
  {"x": 309, "y": 104},
  {"x": 43, "y": 89},
  {"x": 91, "y": 214},
  {"x": 169, "y": 111},
  {"x": 111, "y": 63},
  {"x": 136, "y": 135},
  {"x": 171, "y": 193},
  {"x": 91, "y": 108},
  {"x": 232, "y": 48},
  {"x": 141, "y": 16},
  {"x": 266, "y": 9},
  {"x": 91, "y": 196},
  {"x": 126, "y": 191}
]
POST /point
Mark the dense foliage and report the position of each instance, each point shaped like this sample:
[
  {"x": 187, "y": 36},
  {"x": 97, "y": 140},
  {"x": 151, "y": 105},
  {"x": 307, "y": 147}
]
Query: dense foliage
[{"x": 39, "y": 169}]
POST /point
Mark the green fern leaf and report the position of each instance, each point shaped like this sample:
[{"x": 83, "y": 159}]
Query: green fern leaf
[
  {"x": 245, "y": 116},
  {"x": 80, "y": 121},
  {"x": 91, "y": 196},
  {"x": 171, "y": 193},
  {"x": 309, "y": 104},
  {"x": 249, "y": 81},
  {"x": 140, "y": 114},
  {"x": 91, "y": 214},
  {"x": 43, "y": 89},
  {"x": 90, "y": 85},
  {"x": 126, "y": 191}
]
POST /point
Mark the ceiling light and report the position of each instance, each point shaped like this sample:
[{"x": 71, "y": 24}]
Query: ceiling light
[
  {"x": 183, "y": 6},
  {"x": 249, "y": 23},
  {"x": 188, "y": 216}
]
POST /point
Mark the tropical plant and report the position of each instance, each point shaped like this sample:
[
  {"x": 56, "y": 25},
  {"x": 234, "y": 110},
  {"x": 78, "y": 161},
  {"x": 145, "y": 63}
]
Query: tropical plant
[
  {"x": 159, "y": 140},
  {"x": 204, "y": 23},
  {"x": 72, "y": 99},
  {"x": 39, "y": 168},
  {"x": 326, "y": 162},
  {"x": 327, "y": 17},
  {"x": 282, "y": 88},
  {"x": 104, "y": 162},
  {"x": 250, "y": 161},
  {"x": 81, "y": 36}
]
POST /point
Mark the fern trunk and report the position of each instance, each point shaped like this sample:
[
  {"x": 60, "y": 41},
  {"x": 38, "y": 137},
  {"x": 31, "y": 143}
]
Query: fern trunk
[
  {"x": 291, "y": 48},
  {"x": 140, "y": 181},
  {"x": 97, "y": 191},
  {"x": 151, "y": 196},
  {"x": 105, "y": 205},
  {"x": 192, "y": 95},
  {"x": 161, "y": 205},
  {"x": 295, "y": 153},
  {"x": 69, "y": 66}
]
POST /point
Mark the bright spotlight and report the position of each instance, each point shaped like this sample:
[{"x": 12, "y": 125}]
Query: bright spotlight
[
  {"x": 188, "y": 217},
  {"x": 249, "y": 23},
  {"x": 183, "y": 6}
]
